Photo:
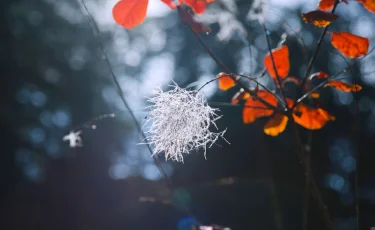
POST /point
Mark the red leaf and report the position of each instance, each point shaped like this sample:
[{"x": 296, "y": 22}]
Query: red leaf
[
  {"x": 225, "y": 81},
  {"x": 276, "y": 125},
  {"x": 254, "y": 108},
  {"x": 326, "y": 5},
  {"x": 319, "y": 75},
  {"x": 349, "y": 44},
  {"x": 343, "y": 86},
  {"x": 311, "y": 118},
  {"x": 281, "y": 59},
  {"x": 196, "y": 26},
  {"x": 368, "y": 4},
  {"x": 319, "y": 18},
  {"x": 130, "y": 13}
]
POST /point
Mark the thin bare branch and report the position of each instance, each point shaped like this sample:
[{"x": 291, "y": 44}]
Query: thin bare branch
[
  {"x": 317, "y": 49},
  {"x": 226, "y": 69}
]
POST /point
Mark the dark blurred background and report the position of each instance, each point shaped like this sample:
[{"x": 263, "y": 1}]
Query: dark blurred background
[{"x": 55, "y": 79}]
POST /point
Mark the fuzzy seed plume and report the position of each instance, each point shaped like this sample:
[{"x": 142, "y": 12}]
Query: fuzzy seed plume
[{"x": 179, "y": 122}]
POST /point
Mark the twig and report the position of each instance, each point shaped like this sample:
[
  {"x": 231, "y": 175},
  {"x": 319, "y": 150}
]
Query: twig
[
  {"x": 138, "y": 126},
  {"x": 356, "y": 179},
  {"x": 310, "y": 184},
  {"x": 318, "y": 45},
  {"x": 236, "y": 105},
  {"x": 226, "y": 69}
]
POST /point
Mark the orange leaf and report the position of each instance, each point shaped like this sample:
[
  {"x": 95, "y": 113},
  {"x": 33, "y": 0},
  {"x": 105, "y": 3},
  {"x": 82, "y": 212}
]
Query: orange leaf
[
  {"x": 198, "y": 6},
  {"x": 196, "y": 26},
  {"x": 368, "y": 4},
  {"x": 311, "y": 118},
  {"x": 254, "y": 108},
  {"x": 240, "y": 95},
  {"x": 349, "y": 44},
  {"x": 319, "y": 18},
  {"x": 343, "y": 86},
  {"x": 276, "y": 125},
  {"x": 326, "y": 5},
  {"x": 130, "y": 13},
  {"x": 320, "y": 75},
  {"x": 225, "y": 81},
  {"x": 281, "y": 59}
]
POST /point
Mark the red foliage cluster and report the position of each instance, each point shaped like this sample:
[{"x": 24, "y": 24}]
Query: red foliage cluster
[
  {"x": 131, "y": 13},
  {"x": 278, "y": 65}
]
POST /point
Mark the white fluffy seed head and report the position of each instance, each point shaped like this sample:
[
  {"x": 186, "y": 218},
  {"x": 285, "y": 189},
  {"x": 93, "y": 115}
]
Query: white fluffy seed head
[{"x": 179, "y": 123}]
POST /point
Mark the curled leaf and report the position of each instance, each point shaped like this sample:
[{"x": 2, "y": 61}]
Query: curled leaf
[
  {"x": 326, "y": 5},
  {"x": 255, "y": 109},
  {"x": 240, "y": 95},
  {"x": 343, "y": 86},
  {"x": 319, "y": 18},
  {"x": 281, "y": 59},
  {"x": 225, "y": 81},
  {"x": 188, "y": 19},
  {"x": 276, "y": 124},
  {"x": 319, "y": 75},
  {"x": 368, "y": 4},
  {"x": 311, "y": 118},
  {"x": 292, "y": 79},
  {"x": 130, "y": 13},
  {"x": 349, "y": 44}
]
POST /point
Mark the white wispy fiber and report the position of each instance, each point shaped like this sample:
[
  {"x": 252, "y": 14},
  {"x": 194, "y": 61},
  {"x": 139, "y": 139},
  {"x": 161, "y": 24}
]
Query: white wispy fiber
[{"x": 179, "y": 123}]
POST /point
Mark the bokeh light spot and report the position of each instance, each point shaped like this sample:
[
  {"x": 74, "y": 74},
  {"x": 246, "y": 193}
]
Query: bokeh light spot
[
  {"x": 335, "y": 182},
  {"x": 33, "y": 172},
  {"x": 37, "y": 135},
  {"x": 38, "y": 98},
  {"x": 51, "y": 75},
  {"x": 61, "y": 118},
  {"x": 151, "y": 172},
  {"x": 45, "y": 118},
  {"x": 348, "y": 164},
  {"x": 23, "y": 95},
  {"x": 119, "y": 171},
  {"x": 52, "y": 148}
]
